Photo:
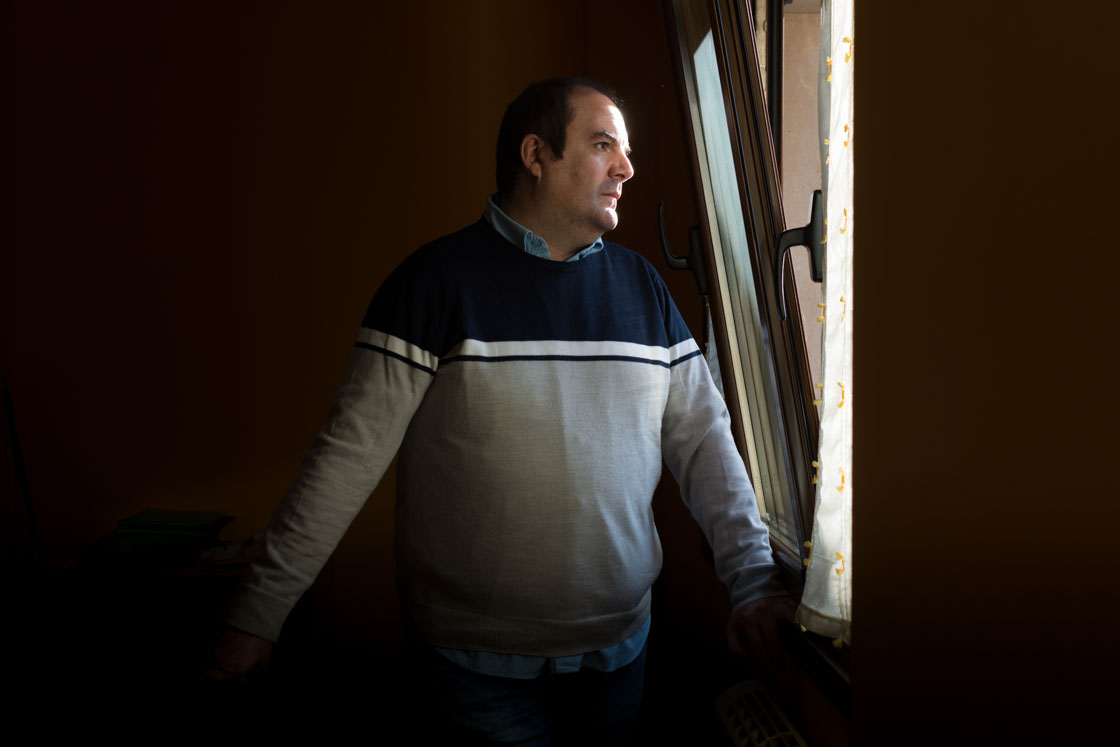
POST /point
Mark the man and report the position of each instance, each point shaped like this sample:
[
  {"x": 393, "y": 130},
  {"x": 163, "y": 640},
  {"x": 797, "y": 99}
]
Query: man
[{"x": 533, "y": 377}]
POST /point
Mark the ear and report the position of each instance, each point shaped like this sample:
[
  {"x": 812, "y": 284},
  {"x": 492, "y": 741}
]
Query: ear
[{"x": 532, "y": 154}]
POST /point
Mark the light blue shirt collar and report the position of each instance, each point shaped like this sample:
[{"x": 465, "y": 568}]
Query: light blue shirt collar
[{"x": 522, "y": 237}]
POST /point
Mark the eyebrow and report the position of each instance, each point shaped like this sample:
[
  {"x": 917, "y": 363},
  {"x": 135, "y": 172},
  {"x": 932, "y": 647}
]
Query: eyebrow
[{"x": 608, "y": 135}]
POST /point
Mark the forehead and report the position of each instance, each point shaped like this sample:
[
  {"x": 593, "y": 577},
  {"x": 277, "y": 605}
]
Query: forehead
[{"x": 593, "y": 112}]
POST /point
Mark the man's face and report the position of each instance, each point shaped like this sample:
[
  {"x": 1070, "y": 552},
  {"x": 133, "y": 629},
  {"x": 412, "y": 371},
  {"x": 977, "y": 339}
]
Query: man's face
[{"x": 583, "y": 188}]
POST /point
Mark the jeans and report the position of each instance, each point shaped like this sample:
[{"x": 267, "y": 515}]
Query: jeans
[{"x": 587, "y": 707}]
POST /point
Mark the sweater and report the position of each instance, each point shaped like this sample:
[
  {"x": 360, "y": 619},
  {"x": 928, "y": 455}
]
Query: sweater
[{"x": 532, "y": 403}]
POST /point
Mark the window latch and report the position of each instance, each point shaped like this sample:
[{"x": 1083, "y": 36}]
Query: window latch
[
  {"x": 695, "y": 259},
  {"x": 810, "y": 235}
]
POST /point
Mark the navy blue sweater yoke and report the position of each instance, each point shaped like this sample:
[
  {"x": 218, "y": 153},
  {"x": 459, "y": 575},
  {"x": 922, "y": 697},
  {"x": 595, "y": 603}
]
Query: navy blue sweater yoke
[{"x": 474, "y": 285}]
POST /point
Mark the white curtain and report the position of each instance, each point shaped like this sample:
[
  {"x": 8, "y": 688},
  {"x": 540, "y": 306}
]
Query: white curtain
[{"x": 826, "y": 606}]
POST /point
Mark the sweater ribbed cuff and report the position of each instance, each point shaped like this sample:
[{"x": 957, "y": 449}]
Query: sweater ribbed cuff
[{"x": 255, "y": 612}]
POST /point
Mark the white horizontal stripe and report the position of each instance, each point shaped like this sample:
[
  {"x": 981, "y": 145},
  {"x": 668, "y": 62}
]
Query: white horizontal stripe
[
  {"x": 400, "y": 347},
  {"x": 576, "y": 348},
  {"x": 682, "y": 349}
]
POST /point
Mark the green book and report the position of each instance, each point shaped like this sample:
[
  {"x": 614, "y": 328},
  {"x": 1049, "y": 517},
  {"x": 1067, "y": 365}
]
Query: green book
[{"x": 161, "y": 521}]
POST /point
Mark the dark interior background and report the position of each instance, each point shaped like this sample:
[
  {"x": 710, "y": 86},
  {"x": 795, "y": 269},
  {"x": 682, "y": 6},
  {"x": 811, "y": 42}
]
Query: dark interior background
[{"x": 205, "y": 195}]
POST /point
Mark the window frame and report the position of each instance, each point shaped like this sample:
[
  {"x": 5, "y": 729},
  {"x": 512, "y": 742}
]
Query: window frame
[{"x": 759, "y": 184}]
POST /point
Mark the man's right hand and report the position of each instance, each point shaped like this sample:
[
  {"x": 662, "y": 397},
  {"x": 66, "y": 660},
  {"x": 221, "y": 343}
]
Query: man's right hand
[{"x": 237, "y": 655}]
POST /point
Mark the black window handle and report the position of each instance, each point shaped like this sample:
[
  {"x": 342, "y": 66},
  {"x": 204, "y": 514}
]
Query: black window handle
[
  {"x": 810, "y": 235},
  {"x": 695, "y": 259}
]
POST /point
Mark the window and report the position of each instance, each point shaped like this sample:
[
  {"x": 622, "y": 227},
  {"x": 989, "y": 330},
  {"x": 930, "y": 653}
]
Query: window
[
  {"x": 762, "y": 313},
  {"x": 762, "y": 360}
]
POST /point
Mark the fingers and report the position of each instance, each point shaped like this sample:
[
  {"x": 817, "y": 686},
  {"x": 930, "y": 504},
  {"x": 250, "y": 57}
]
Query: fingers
[
  {"x": 733, "y": 641},
  {"x": 767, "y": 645},
  {"x": 238, "y": 655},
  {"x": 753, "y": 630},
  {"x": 217, "y": 674}
]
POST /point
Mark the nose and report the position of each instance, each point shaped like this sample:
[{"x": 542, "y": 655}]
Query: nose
[{"x": 623, "y": 169}]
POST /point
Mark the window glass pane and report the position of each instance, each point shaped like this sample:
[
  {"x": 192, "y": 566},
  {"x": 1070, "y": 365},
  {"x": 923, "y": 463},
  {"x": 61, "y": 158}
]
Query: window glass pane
[
  {"x": 760, "y": 41},
  {"x": 801, "y": 154},
  {"x": 752, "y": 376}
]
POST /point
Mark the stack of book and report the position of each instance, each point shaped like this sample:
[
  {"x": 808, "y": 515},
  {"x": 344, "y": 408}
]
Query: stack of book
[{"x": 158, "y": 528}]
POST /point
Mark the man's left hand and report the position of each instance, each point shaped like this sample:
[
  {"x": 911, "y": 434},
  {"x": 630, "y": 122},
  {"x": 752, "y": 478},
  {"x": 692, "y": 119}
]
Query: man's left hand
[{"x": 753, "y": 630}]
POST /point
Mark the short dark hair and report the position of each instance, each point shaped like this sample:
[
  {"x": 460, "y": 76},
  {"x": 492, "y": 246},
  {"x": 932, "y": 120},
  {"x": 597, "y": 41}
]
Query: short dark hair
[{"x": 543, "y": 109}]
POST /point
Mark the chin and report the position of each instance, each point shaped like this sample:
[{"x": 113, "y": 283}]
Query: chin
[{"x": 608, "y": 222}]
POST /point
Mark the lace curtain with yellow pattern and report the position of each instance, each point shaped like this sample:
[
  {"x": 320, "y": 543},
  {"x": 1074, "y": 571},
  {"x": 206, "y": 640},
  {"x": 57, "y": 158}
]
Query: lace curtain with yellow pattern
[{"x": 826, "y": 605}]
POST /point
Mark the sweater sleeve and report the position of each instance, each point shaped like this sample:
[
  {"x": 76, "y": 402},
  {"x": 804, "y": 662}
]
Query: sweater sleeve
[
  {"x": 384, "y": 383},
  {"x": 698, "y": 447}
]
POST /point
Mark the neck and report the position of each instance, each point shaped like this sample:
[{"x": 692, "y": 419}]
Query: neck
[{"x": 529, "y": 213}]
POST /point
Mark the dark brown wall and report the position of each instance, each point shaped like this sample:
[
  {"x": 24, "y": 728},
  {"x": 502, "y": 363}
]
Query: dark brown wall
[
  {"x": 985, "y": 411},
  {"x": 206, "y": 196}
]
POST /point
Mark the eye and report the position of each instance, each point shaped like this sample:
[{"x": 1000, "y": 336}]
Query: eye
[{"x": 604, "y": 145}]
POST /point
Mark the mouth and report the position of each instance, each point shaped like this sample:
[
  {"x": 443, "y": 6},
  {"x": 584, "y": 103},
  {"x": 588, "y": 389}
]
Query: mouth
[
  {"x": 614, "y": 191},
  {"x": 614, "y": 196}
]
